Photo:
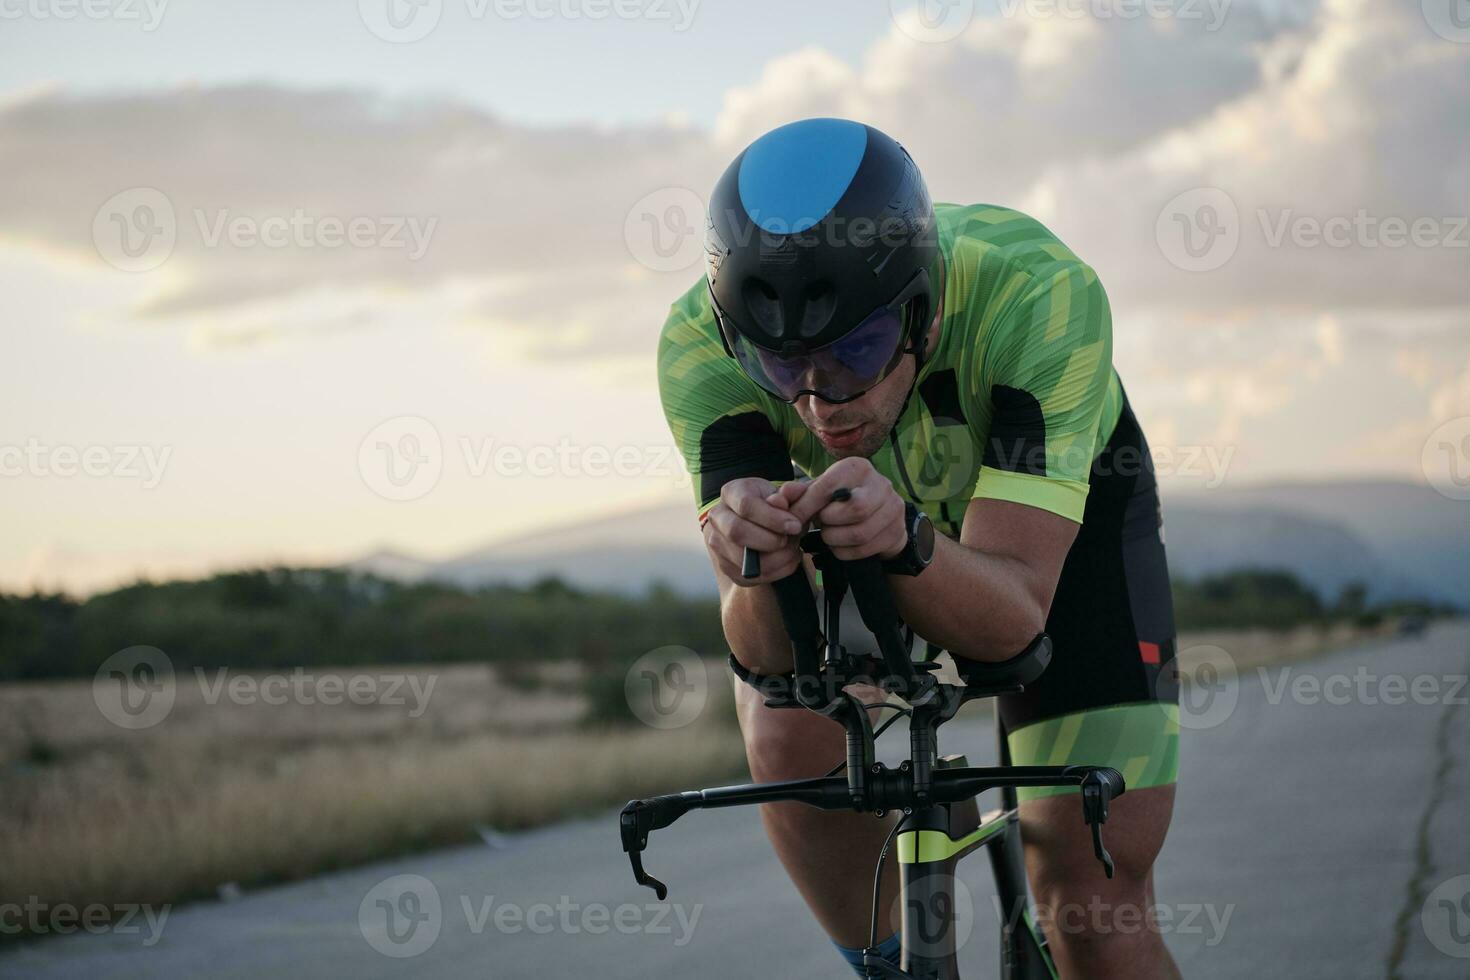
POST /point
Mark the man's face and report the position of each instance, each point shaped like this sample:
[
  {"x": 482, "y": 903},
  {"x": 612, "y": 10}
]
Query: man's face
[{"x": 858, "y": 427}]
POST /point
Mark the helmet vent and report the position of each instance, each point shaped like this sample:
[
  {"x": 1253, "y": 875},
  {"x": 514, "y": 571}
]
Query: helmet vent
[
  {"x": 763, "y": 304},
  {"x": 821, "y": 303}
]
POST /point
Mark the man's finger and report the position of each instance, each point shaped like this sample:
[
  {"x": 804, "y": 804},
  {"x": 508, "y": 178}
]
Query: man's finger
[
  {"x": 861, "y": 504},
  {"x": 758, "y": 511}
]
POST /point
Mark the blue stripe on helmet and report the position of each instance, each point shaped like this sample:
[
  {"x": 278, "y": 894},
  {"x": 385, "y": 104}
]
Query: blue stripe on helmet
[{"x": 791, "y": 177}]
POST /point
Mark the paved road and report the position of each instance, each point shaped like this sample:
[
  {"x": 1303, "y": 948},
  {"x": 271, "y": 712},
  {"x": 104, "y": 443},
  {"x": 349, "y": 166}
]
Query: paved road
[{"x": 1317, "y": 820}]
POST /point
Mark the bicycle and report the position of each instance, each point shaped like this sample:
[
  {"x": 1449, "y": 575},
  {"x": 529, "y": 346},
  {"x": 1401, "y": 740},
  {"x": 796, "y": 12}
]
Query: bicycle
[{"x": 941, "y": 822}]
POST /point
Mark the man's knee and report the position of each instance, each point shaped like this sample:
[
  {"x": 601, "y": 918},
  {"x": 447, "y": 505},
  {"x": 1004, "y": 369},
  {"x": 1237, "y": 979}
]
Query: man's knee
[
  {"x": 1077, "y": 902},
  {"x": 786, "y": 743}
]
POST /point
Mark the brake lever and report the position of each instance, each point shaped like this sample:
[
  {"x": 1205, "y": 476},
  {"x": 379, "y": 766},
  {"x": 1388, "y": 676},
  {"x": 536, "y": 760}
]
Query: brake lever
[
  {"x": 1099, "y": 787},
  {"x": 638, "y": 819}
]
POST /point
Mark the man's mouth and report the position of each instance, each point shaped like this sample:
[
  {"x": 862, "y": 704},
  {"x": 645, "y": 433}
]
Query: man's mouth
[{"x": 841, "y": 438}]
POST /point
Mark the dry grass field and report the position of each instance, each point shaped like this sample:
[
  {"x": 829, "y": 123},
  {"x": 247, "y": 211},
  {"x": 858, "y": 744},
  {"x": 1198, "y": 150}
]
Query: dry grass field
[{"x": 228, "y": 794}]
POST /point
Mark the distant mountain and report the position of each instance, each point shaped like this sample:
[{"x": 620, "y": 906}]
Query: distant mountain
[
  {"x": 1419, "y": 538},
  {"x": 1326, "y": 554},
  {"x": 1400, "y": 539}
]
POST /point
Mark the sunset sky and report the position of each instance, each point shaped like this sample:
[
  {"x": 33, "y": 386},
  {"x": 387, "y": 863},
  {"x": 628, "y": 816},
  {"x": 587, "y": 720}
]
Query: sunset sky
[{"x": 292, "y": 281}]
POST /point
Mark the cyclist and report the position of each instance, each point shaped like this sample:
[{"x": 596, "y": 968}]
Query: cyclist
[{"x": 952, "y": 366}]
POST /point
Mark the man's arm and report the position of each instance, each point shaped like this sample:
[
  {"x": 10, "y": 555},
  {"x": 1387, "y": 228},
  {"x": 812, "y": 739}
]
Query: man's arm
[
  {"x": 984, "y": 597},
  {"x": 754, "y": 513}
]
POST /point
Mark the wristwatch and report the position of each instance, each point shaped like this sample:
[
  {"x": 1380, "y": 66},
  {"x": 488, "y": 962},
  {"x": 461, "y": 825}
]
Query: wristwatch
[{"x": 919, "y": 552}]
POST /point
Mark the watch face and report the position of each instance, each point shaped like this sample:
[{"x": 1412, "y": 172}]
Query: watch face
[{"x": 924, "y": 538}]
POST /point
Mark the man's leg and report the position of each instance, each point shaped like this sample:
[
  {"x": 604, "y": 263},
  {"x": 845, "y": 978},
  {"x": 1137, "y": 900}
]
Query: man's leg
[
  {"x": 1099, "y": 928},
  {"x": 829, "y": 856}
]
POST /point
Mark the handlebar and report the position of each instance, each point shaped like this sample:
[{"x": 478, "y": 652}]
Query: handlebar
[{"x": 817, "y": 684}]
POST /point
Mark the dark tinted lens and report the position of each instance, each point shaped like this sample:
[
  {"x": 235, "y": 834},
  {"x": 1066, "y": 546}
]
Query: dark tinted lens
[
  {"x": 839, "y": 372},
  {"x": 868, "y": 350}
]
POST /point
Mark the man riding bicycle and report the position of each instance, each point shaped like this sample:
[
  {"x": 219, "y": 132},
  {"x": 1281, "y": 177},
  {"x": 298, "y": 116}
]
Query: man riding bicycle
[{"x": 951, "y": 367}]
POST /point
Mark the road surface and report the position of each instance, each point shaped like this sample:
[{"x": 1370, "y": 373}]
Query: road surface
[{"x": 1320, "y": 833}]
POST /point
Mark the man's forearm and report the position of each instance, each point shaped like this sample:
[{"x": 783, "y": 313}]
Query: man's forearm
[
  {"x": 753, "y": 628},
  {"x": 973, "y": 604}
]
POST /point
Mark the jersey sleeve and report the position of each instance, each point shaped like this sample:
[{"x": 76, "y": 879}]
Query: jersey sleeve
[
  {"x": 717, "y": 416},
  {"x": 1046, "y": 374}
]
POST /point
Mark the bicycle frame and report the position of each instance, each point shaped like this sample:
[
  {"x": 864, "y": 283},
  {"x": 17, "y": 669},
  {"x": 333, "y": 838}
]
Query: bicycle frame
[{"x": 940, "y": 822}]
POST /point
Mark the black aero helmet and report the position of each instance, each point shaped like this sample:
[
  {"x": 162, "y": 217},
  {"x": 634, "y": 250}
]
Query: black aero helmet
[{"x": 821, "y": 257}]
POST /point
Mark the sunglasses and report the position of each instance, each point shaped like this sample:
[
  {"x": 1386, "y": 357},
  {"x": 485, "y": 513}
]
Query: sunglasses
[{"x": 842, "y": 371}]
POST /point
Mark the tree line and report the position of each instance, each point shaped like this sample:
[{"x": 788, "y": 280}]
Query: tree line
[{"x": 272, "y": 618}]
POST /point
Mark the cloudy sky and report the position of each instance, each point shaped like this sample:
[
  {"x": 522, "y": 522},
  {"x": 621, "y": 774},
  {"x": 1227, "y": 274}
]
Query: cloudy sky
[{"x": 291, "y": 281}]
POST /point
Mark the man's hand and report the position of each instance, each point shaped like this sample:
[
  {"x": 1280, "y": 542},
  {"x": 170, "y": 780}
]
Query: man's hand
[
  {"x": 754, "y": 513},
  {"x": 870, "y": 522}
]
